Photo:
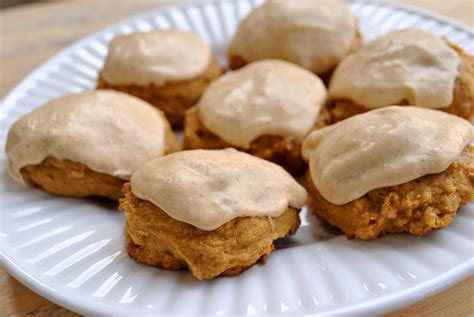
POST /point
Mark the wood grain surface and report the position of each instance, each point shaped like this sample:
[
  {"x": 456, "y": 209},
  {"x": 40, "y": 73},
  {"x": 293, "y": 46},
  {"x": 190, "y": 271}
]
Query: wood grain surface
[{"x": 32, "y": 33}]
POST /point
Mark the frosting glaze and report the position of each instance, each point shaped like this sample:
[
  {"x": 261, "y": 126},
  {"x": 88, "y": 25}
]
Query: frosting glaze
[
  {"x": 155, "y": 57},
  {"x": 383, "y": 147},
  {"x": 409, "y": 65},
  {"x": 110, "y": 132},
  {"x": 268, "y": 97},
  {"x": 315, "y": 34},
  {"x": 208, "y": 188}
]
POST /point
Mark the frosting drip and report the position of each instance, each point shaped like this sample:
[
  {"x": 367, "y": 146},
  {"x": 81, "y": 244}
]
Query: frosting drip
[
  {"x": 208, "y": 188},
  {"x": 315, "y": 34},
  {"x": 381, "y": 148},
  {"x": 269, "y": 97},
  {"x": 110, "y": 132},
  {"x": 410, "y": 65},
  {"x": 155, "y": 57}
]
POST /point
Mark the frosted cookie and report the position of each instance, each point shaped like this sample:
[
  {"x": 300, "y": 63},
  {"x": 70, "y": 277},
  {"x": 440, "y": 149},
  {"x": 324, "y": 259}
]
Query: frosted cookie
[
  {"x": 214, "y": 212},
  {"x": 405, "y": 67},
  {"x": 315, "y": 34},
  {"x": 168, "y": 68},
  {"x": 87, "y": 144},
  {"x": 265, "y": 109},
  {"x": 395, "y": 169}
]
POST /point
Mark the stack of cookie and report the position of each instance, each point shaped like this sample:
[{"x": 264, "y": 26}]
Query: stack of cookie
[{"x": 381, "y": 130}]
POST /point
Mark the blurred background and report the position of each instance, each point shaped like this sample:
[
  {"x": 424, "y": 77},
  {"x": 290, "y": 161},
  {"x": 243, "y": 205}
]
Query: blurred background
[
  {"x": 9, "y": 3},
  {"x": 33, "y": 31}
]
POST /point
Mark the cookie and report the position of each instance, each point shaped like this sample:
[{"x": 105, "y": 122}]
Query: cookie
[
  {"x": 404, "y": 67},
  {"x": 214, "y": 212},
  {"x": 315, "y": 34},
  {"x": 394, "y": 169},
  {"x": 170, "y": 69},
  {"x": 265, "y": 109},
  {"x": 87, "y": 144}
]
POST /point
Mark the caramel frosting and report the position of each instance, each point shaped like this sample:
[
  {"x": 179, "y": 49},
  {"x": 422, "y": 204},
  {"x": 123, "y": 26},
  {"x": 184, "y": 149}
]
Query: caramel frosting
[
  {"x": 110, "y": 132},
  {"x": 381, "y": 148},
  {"x": 208, "y": 188},
  {"x": 269, "y": 97},
  {"x": 411, "y": 65},
  {"x": 315, "y": 34},
  {"x": 156, "y": 57}
]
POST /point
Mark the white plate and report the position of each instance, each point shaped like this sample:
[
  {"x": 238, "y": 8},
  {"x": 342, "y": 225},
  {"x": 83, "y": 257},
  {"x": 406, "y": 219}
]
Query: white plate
[{"x": 71, "y": 250}]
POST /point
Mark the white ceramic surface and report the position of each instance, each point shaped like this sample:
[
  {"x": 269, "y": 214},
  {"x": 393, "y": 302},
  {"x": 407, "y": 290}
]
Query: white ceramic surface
[{"x": 71, "y": 250}]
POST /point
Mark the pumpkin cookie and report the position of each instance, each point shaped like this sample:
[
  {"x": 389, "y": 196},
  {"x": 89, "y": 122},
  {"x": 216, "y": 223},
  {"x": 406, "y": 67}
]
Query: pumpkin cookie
[
  {"x": 167, "y": 68},
  {"x": 395, "y": 169},
  {"x": 87, "y": 144},
  {"x": 405, "y": 67},
  {"x": 214, "y": 212},
  {"x": 315, "y": 34},
  {"x": 265, "y": 109}
]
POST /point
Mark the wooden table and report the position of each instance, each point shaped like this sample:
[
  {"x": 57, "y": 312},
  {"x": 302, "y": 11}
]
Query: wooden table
[{"x": 30, "y": 34}]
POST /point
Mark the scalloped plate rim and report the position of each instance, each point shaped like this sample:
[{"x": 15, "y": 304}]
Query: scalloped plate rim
[{"x": 381, "y": 305}]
